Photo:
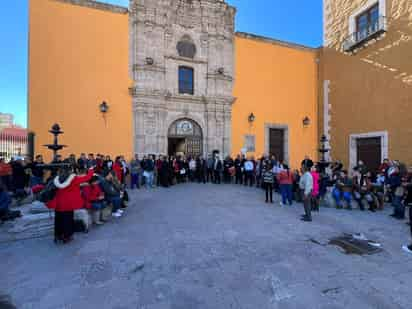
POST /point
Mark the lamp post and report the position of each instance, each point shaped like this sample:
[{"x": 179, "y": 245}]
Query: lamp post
[
  {"x": 104, "y": 107},
  {"x": 323, "y": 150},
  {"x": 306, "y": 122},
  {"x": 251, "y": 118}
]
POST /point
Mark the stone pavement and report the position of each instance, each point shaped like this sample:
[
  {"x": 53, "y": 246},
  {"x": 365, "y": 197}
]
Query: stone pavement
[{"x": 207, "y": 246}]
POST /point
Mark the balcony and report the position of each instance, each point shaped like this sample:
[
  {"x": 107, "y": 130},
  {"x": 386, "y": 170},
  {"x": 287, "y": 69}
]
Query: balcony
[{"x": 359, "y": 38}]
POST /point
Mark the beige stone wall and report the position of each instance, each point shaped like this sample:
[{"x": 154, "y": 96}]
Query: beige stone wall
[{"x": 370, "y": 90}]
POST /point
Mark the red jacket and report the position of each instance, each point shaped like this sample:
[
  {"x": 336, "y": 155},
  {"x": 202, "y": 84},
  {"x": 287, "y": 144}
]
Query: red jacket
[
  {"x": 91, "y": 194},
  {"x": 285, "y": 178},
  {"x": 118, "y": 169},
  {"x": 68, "y": 196},
  {"x": 5, "y": 169}
]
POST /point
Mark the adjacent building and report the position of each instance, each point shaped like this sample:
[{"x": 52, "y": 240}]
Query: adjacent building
[
  {"x": 13, "y": 142},
  {"x": 366, "y": 80},
  {"x": 6, "y": 120}
]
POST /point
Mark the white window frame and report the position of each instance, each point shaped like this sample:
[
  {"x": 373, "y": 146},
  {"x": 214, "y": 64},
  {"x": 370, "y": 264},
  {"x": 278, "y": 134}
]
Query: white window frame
[
  {"x": 353, "y": 146},
  {"x": 364, "y": 8}
]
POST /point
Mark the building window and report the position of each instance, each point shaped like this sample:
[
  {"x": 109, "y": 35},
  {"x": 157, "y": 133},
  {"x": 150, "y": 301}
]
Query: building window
[
  {"x": 186, "y": 80},
  {"x": 367, "y": 22},
  {"x": 250, "y": 142},
  {"x": 186, "y": 48}
]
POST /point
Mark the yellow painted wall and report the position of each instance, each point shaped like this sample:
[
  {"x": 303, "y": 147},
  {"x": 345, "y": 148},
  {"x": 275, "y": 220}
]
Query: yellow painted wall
[
  {"x": 278, "y": 84},
  {"x": 78, "y": 58}
]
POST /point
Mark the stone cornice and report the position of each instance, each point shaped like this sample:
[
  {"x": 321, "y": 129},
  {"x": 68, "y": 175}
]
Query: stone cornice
[
  {"x": 146, "y": 67},
  {"x": 158, "y": 94},
  {"x": 97, "y": 5},
  {"x": 178, "y": 58},
  {"x": 219, "y": 76},
  {"x": 255, "y": 37}
]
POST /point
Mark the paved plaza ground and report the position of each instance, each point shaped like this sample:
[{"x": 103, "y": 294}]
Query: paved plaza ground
[{"x": 210, "y": 246}]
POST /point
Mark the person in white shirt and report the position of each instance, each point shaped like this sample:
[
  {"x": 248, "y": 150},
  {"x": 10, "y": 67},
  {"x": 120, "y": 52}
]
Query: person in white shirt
[
  {"x": 249, "y": 169},
  {"x": 306, "y": 185}
]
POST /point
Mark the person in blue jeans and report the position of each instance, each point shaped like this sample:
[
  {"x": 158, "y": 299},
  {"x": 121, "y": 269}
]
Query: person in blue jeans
[
  {"x": 135, "y": 171},
  {"x": 148, "y": 167},
  {"x": 111, "y": 193},
  {"x": 342, "y": 192},
  {"x": 285, "y": 180}
]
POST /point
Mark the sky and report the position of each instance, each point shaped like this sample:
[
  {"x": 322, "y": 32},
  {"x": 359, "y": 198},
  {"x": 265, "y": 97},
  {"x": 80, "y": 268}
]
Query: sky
[{"x": 297, "y": 21}]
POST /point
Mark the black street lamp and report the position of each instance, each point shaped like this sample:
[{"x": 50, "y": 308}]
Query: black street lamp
[
  {"x": 251, "y": 118},
  {"x": 323, "y": 150},
  {"x": 306, "y": 121},
  {"x": 104, "y": 107}
]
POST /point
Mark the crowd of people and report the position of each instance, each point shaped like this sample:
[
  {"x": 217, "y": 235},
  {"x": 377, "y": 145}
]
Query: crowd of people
[
  {"x": 107, "y": 182},
  {"x": 96, "y": 185}
]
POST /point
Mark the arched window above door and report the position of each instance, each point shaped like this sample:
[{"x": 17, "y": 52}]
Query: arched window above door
[
  {"x": 185, "y": 128},
  {"x": 186, "y": 48}
]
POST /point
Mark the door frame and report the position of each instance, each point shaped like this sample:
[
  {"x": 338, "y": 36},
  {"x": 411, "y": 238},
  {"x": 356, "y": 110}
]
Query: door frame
[
  {"x": 285, "y": 129},
  {"x": 353, "y": 145}
]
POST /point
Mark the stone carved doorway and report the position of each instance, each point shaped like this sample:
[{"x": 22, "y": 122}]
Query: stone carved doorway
[{"x": 185, "y": 137}]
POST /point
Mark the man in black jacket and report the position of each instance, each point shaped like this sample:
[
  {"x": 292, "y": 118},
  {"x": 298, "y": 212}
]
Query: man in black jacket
[
  {"x": 201, "y": 169},
  {"x": 112, "y": 193},
  {"x": 217, "y": 170},
  {"x": 37, "y": 171},
  {"x": 238, "y": 170}
]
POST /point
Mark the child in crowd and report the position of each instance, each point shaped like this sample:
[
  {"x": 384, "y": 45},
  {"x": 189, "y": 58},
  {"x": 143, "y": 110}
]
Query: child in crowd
[{"x": 94, "y": 199}]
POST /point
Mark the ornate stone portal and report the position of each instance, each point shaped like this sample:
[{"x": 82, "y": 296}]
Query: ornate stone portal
[{"x": 165, "y": 36}]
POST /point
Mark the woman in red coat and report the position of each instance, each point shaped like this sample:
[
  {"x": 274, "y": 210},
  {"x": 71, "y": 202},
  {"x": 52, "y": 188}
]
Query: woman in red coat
[
  {"x": 68, "y": 198},
  {"x": 118, "y": 169}
]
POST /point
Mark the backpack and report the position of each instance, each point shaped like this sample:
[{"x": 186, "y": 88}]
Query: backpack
[{"x": 48, "y": 193}]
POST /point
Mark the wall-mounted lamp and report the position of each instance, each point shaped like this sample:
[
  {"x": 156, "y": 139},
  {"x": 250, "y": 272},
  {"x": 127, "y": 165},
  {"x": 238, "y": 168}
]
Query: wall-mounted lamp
[
  {"x": 104, "y": 107},
  {"x": 149, "y": 61},
  {"x": 251, "y": 118},
  {"x": 306, "y": 121}
]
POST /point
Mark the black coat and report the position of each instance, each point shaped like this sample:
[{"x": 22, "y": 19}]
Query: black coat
[{"x": 19, "y": 177}]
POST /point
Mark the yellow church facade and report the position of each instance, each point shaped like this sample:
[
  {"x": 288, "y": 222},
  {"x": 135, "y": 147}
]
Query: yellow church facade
[{"x": 81, "y": 55}]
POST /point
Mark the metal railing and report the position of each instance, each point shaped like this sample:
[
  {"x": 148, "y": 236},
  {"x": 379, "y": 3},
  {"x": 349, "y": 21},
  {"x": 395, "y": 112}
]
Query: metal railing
[
  {"x": 360, "y": 37},
  {"x": 12, "y": 145}
]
